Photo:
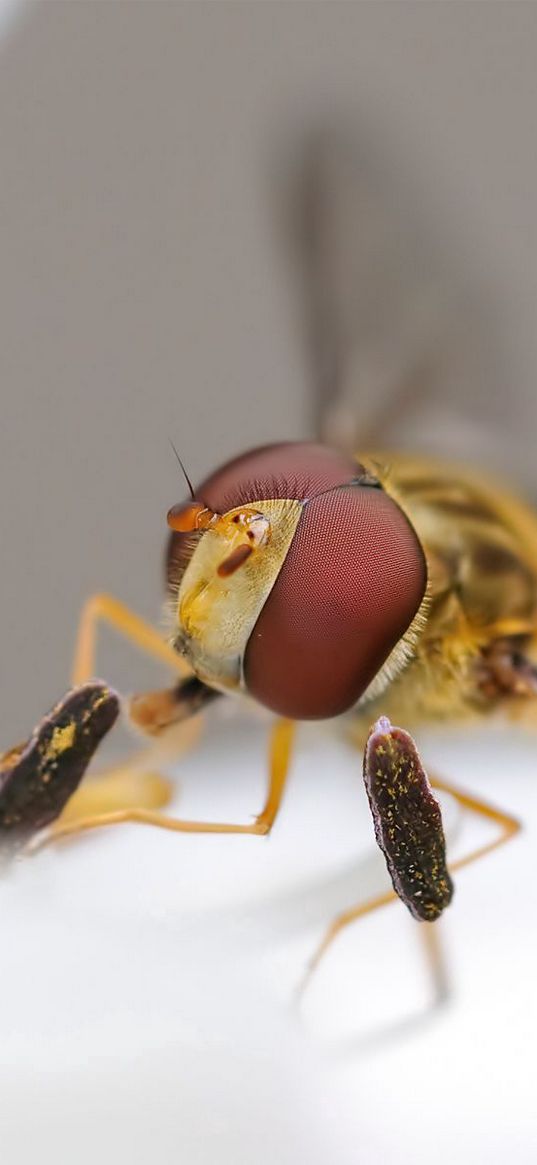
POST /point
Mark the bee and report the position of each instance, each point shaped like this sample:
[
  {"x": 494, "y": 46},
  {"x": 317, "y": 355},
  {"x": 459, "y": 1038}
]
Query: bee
[{"x": 380, "y": 590}]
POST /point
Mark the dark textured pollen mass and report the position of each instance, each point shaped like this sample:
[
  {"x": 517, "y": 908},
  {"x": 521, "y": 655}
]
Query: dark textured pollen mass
[
  {"x": 407, "y": 820},
  {"x": 38, "y": 778}
]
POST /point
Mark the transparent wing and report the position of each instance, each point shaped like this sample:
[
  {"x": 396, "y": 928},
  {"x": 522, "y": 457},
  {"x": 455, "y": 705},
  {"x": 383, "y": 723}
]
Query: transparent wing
[{"x": 404, "y": 346}]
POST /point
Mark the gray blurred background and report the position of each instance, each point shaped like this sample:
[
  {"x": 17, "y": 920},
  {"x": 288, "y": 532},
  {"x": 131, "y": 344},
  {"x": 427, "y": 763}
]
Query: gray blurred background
[{"x": 166, "y": 270}]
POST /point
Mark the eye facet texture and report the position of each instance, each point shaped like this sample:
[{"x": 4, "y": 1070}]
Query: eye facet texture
[
  {"x": 289, "y": 470},
  {"x": 351, "y": 583}
]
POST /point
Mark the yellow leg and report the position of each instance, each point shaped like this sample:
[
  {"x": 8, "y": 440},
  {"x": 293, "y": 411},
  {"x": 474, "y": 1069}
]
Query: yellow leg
[
  {"x": 430, "y": 933},
  {"x": 122, "y": 788},
  {"x": 508, "y": 827},
  {"x": 280, "y": 752},
  {"x": 113, "y": 790},
  {"x": 101, "y": 608}
]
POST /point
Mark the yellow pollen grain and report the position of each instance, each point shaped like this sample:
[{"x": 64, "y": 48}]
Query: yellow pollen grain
[{"x": 61, "y": 739}]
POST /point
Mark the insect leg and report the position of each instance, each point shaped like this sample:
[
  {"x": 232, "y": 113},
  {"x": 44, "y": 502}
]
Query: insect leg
[
  {"x": 112, "y": 790},
  {"x": 103, "y": 608},
  {"x": 281, "y": 743},
  {"x": 508, "y": 825},
  {"x": 123, "y": 787},
  {"x": 137, "y": 782}
]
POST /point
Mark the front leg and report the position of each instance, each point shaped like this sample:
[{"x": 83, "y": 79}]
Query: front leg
[
  {"x": 282, "y": 737},
  {"x": 40, "y": 779},
  {"x": 138, "y": 782},
  {"x": 127, "y": 786},
  {"x": 103, "y": 608}
]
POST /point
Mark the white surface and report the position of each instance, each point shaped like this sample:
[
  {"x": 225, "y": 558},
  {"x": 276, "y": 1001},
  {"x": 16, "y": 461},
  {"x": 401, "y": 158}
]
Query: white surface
[{"x": 148, "y": 981}]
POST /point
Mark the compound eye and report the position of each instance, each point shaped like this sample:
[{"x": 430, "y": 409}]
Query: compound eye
[
  {"x": 351, "y": 583},
  {"x": 289, "y": 470}
]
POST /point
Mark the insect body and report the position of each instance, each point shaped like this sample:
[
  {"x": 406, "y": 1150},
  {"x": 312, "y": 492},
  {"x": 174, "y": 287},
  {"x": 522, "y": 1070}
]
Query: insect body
[
  {"x": 383, "y": 586},
  {"x": 475, "y": 649},
  {"x": 387, "y": 581},
  {"x": 371, "y": 588}
]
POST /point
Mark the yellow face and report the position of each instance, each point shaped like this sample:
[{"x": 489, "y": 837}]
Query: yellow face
[{"x": 226, "y": 583}]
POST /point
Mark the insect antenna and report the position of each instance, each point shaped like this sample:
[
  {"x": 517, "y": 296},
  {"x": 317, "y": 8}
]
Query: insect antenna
[{"x": 185, "y": 474}]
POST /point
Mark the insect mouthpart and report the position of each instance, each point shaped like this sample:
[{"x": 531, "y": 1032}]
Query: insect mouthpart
[{"x": 234, "y": 560}]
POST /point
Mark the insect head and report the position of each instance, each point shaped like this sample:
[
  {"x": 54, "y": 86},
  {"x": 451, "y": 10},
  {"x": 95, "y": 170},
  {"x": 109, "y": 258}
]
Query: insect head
[{"x": 292, "y": 578}]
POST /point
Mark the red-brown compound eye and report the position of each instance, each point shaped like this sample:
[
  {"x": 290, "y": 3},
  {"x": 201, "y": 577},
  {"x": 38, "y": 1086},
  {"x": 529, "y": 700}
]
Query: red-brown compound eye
[
  {"x": 351, "y": 583},
  {"x": 292, "y": 469}
]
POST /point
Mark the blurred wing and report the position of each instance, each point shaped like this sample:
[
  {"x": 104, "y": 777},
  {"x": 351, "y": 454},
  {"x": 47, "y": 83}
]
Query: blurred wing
[{"x": 403, "y": 353}]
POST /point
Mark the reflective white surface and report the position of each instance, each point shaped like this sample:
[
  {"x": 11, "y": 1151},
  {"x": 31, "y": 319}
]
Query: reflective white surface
[{"x": 149, "y": 980}]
